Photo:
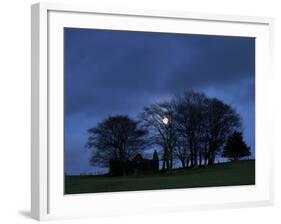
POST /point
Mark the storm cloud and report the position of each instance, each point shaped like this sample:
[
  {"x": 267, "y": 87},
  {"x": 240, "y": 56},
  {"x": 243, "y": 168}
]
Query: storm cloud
[{"x": 119, "y": 72}]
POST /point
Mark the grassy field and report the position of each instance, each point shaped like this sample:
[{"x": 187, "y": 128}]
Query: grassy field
[{"x": 224, "y": 174}]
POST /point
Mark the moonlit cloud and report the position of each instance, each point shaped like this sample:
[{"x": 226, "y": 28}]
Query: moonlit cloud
[{"x": 119, "y": 72}]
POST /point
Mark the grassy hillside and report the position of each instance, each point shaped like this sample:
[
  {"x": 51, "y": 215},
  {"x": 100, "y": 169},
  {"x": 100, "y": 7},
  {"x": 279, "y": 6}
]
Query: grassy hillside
[{"x": 224, "y": 174}]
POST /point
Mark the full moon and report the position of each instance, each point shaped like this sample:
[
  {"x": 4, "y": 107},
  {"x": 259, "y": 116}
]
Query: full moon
[{"x": 165, "y": 120}]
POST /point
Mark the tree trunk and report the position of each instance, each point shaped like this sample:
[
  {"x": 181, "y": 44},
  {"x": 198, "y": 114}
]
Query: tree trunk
[
  {"x": 167, "y": 162},
  {"x": 195, "y": 163},
  {"x": 211, "y": 158},
  {"x": 200, "y": 158},
  {"x": 170, "y": 158},
  {"x": 182, "y": 162},
  {"x": 206, "y": 160},
  {"x": 187, "y": 162},
  {"x": 164, "y": 162},
  {"x": 191, "y": 158},
  {"x": 171, "y": 162}
]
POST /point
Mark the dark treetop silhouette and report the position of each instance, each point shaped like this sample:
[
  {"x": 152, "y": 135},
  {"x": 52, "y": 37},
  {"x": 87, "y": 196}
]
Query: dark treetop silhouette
[
  {"x": 118, "y": 138},
  {"x": 190, "y": 127},
  {"x": 235, "y": 147}
]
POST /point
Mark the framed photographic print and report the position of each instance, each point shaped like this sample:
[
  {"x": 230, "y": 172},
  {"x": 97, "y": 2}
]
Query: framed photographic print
[{"x": 152, "y": 110}]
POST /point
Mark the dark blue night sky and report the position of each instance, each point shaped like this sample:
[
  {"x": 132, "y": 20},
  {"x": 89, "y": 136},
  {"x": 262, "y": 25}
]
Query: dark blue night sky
[{"x": 119, "y": 72}]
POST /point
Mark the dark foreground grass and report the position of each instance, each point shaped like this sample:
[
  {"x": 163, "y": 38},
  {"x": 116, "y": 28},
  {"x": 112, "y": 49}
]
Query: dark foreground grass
[{"x": 224, "y": 174}]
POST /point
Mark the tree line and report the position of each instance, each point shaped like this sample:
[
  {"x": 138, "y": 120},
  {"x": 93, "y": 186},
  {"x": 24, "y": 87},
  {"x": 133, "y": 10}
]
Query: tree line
[{"x": 190, "y": 128}]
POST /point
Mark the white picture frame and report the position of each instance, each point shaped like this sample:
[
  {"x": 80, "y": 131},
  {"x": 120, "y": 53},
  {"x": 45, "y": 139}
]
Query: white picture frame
[{"x": 48, "y": 201}]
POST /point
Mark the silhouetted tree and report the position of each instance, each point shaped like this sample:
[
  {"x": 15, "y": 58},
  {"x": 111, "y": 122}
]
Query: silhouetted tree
[
  {"x": 235, "y": 147},
  {"x": 117, "y": 137},
  {"x": 189, "y": 121},
  {"x": 196, "y": 130},
  {"x": 182, "y": 152},
  {"x": 220, "y": 121},
  {"x": 158, "y": 118},
  {"x": 191, "y": 128}
]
